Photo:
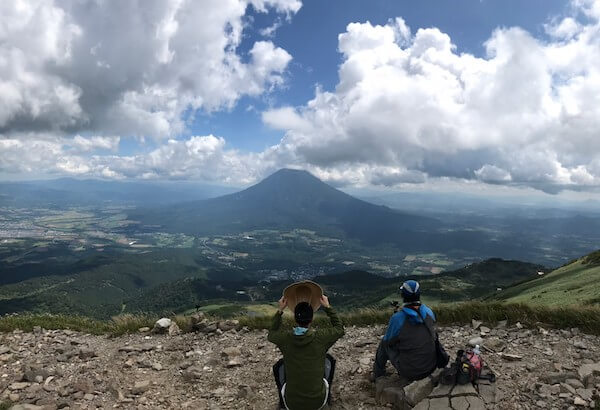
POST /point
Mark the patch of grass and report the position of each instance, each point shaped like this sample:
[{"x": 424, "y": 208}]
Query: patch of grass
[
  {"x": 587, "y": 318},
  {"x": 130, "y": 323},
  {"x": 5, "y": 405},
  {"x": 28, "y": 321}
]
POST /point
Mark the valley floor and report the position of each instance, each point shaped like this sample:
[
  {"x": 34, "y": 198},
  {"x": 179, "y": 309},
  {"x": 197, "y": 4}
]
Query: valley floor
[{"x": 64, "y": 369}]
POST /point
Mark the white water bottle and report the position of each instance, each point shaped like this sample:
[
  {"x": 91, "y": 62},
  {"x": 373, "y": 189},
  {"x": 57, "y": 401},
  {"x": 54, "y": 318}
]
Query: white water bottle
[{"x": 476, "y": 350}]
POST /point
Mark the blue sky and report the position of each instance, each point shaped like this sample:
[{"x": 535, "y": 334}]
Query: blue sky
[{"x": 393, "y": 95}]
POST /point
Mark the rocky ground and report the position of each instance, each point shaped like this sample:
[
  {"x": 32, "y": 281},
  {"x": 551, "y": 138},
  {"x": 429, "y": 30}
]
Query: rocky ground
[{"x": 224, "y": 368}]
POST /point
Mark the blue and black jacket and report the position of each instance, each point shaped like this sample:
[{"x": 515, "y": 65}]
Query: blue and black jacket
[{"x": 410, "y": 341}]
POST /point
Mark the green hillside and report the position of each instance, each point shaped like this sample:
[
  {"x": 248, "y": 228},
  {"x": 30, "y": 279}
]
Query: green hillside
[
  {"x": 349, "y": 290},
  {"x": 575, "y": 283}
]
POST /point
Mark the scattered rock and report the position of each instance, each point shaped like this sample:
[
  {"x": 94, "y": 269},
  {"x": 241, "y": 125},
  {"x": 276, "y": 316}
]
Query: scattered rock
[
  {"x": 18, "y": 386},
  {"x": 140, "y": 387},
  {"x": 162, "y": 325},
  {"x": 225, "y": 367},
  {"x": 174, "y": 329},
  {"x": 86, "y": 353},
  {"x": 475, "y": 341},
  {"x": 511, "y": 357}
]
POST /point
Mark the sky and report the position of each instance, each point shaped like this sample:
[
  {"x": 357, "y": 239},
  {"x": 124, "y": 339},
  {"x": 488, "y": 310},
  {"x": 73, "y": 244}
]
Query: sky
[{"x": 495, "y": 96}]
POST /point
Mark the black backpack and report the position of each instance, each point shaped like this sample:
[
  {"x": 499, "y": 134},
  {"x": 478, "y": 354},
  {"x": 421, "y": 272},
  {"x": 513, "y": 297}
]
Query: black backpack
[{"x": 468, "y": 367}]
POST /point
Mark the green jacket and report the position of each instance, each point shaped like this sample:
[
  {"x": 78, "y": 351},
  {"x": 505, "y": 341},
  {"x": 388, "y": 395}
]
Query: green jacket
[{"x": 304, "y": 360}]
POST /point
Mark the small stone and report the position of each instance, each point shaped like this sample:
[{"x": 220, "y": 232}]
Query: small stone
[
  {"x": 192, "y": 373},
  {"x": 162, "y": 325},
  {"x": 86, "y": 353},
  {"x": 365, "y": 361},
  {"x": 144, "y": 329},
  {"x": 476, "y": 323},
  {"x": 574, "y": 383},
  {"x": 140, "y": 387},
  {"x": 511, "y": 357},
  {"x": 234, "y": 362},
  {"x": 174, "y": 329},
  {"x": 580, "y": 402},
  {"x": 475, "y": 341},
  {"x": 565, "y": 388},
  {"x": 585, "y": 394},
  {"x": 18, "y": 386},
  {"x": 231, "y": 352},
  {"x": 495, "y": 344}
]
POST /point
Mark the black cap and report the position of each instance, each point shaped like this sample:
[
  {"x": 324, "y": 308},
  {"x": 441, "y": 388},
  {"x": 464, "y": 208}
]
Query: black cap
[{"x": 303, "y": 312}]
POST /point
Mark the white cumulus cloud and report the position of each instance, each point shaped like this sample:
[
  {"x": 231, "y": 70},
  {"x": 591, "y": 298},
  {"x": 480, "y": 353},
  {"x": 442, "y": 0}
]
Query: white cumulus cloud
[
  {"x": 409, "y": 107},
  {"x": 128, "y": 68}
]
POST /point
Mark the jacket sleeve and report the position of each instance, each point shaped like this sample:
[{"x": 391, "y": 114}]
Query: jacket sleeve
[
  {"x": 275, "y": 334},
  {"x": 330, "y": 335},
  {"x": 394, "y": 326}
]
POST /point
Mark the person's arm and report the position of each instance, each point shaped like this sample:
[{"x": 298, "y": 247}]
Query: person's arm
[
  {"x": 275, "y": 335},
  {"x": 337, "y": 330},
  {"x": 394, "y": 326}
]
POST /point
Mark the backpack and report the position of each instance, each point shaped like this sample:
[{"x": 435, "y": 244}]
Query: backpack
[{"x": 468, "y": 366}]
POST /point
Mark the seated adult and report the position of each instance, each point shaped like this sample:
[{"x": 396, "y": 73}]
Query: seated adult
[
  {"x": 305, "y": 373},
  {"x": 410, "y": 340}
]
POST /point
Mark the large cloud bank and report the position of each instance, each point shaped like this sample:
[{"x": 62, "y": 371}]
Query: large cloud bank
[
  {"x": 408, "y": 107},
  {"x": 77, "y": 78}
]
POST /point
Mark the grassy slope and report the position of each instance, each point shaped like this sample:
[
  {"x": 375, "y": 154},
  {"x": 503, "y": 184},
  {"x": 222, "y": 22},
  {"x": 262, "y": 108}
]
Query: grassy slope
[{"x": 573, "y": 284}]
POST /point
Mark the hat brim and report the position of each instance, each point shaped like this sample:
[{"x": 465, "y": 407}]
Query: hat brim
[{"x": 304, "y": 291}]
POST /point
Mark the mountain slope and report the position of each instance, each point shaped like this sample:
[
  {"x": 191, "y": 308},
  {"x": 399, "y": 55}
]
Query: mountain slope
[
  {"x": 287, "y": 199},
  {"x": 575, "y": 283}
]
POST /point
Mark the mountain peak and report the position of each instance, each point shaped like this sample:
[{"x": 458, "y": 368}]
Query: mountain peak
[{"x": 290, "y": 173}]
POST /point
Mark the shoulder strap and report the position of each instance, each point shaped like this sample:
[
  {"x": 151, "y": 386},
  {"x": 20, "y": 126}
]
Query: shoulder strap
[{"x": 432, "y": 332}]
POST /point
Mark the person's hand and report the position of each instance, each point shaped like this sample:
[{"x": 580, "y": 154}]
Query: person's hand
[
  {"x": 325, "y": 301},
  {"x": 282, "y": 303}
]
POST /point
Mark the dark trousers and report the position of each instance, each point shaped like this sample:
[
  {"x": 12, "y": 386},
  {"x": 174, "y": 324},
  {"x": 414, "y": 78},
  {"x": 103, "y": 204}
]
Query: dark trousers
[
  {"x": 279, "y": 374},
  {"x": 385, "y": 353}
]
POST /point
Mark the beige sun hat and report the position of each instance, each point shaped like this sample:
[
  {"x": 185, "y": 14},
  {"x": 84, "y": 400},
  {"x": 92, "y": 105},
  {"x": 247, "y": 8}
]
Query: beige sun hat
[{"x": 304, "y": 291}]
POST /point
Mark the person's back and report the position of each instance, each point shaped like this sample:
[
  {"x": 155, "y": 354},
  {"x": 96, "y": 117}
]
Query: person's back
[
  {"x": 409, "y": 335},
  {"x": 410, "y": 340},
  {"x": 304, "y": 357}
]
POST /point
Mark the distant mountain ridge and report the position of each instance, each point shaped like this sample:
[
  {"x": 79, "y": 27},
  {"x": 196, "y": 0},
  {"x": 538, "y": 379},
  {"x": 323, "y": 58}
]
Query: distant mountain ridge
[
  {"x": 95, "y": 192},
  {"x": 284, "y": 200}
]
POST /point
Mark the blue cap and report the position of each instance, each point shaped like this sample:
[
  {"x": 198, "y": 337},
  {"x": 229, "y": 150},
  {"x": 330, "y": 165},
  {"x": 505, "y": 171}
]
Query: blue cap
[{"x": 410, "y": 290}]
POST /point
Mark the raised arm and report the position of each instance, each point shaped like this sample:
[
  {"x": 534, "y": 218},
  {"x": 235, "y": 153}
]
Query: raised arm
[
  {"x": 275, "y": 335},
  {"x": 337, "y": 327}
]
